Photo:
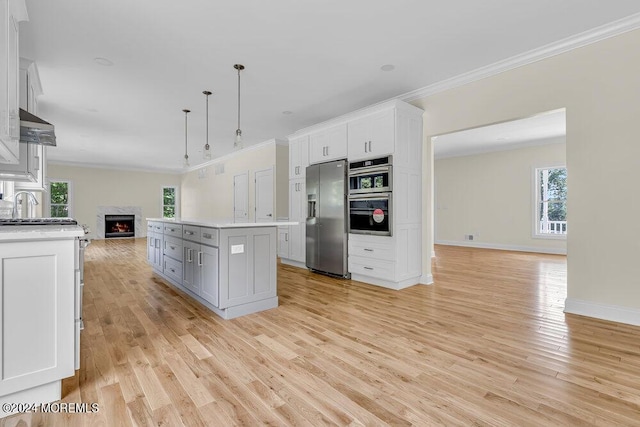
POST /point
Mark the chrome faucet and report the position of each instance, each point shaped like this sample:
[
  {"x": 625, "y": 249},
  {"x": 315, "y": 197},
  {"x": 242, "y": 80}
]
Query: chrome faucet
[{"x": 32, "y": 199}]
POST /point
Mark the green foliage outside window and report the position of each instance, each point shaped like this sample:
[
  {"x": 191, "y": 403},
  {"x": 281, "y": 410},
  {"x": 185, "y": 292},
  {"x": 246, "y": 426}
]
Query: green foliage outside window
[
  {"x": 59, "y": 194},
  {"x": 168, "y": 202}
]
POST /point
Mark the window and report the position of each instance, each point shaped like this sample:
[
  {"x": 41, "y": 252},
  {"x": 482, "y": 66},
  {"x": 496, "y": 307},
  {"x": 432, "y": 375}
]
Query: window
[
  {"x": 551, "y": 202},
  {"x": 169, "y": 202},
  {"x": 60, "y": 199}
]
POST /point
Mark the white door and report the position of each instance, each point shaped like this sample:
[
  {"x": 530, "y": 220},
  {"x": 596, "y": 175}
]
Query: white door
[
  {"x": 264, "y": 195},
  {"x": 241, "y": 197}
]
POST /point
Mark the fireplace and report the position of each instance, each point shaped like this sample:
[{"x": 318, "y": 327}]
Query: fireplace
[{"x": 119, "y": 226}]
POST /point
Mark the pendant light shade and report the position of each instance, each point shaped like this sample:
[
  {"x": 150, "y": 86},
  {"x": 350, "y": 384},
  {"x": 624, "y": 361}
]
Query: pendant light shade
[
  {"x": 206, "y": 153},
  {"x": 237, "y": 144},
  {"x": 186, "y": 145}
]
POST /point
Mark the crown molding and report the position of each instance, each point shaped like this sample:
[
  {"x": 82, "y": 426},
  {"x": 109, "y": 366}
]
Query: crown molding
[{"x": 629, "y": 23}]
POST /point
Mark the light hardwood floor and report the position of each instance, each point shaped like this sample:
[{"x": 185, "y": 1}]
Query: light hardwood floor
[{"x": 488, "y": 344}]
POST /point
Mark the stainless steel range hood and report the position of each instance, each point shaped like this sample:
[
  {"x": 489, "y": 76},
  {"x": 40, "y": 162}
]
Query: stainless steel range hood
[{"x": 34, "y": 130}]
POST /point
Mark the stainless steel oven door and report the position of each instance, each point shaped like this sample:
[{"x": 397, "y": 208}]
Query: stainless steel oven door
[{"x": 370, "y": 214}]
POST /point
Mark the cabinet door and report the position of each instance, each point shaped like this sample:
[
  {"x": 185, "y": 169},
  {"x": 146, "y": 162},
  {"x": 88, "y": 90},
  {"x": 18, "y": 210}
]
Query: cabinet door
[
  {"x": 358, "y": 139},
  {"x": 327, "y": 145},
  {"x": 151, "y": 248},
  {"x": 297, "y": 212},
  {"x": 208, "y": 269},
  {"x": 157, "y": 260},
  {"x": 372, "y": 136},
  {"x": 191, "y": 270},
  {"x": 283, "y": 241},
  {"x": 298, "y": 157},
  {"x": 382, "y": 134},
  {"x": 9, "y": 90},
  {"x": 37, "y": 284}
]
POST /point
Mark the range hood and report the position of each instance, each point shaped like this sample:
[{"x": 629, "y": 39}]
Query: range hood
[{"x": 34, "y": 130}]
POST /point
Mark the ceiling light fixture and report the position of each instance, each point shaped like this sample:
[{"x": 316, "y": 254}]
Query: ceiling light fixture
[
  {"x": 238, "y": 142},
  {"x": 103, "y": 61},
  {"x": 206, "y": 153},
  {"x": 186, "y": 155},
  {"x": 388, "y": 67}
]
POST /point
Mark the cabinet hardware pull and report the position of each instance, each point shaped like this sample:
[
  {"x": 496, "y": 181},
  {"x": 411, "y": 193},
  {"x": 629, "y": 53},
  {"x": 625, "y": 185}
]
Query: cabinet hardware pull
[
  {"x": 37, "y": 162},
  {"x": 172, "y": 247},
  {"x": 190, "y": 233},
  {"x": 206, "y": 235},
  {"x": 199, "y": 259},
  {"x": 369, "y": 146},
  {"x": 286, "y": 237},
  {"x": 365, "y": 147},
  {"x": 172, "y": 270},
  {"x": 368, "y": 268},
  {"x": 368, "y": 250}
]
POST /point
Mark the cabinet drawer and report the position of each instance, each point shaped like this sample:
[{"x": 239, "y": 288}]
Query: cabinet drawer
[
  {"x": 157, "y": 227},
  {"x": 191, "y": 232},
  {"x": 173, "y": 247},
  {"x": 173, "y": 230},
  {"x": 173, "y": 269},
  {"x": 150, "y": 227},
  {"x": 372, "y": 267},
  {"x": 384, "y": 251},
  {"x": 209, "y": 236}
]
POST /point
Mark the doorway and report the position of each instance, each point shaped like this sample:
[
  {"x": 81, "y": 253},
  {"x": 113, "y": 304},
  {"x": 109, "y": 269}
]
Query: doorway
[
  {"x": 503, "y": 186},
  {"x": 264, "y": 195},
  {"x": 241, "y": 197}
]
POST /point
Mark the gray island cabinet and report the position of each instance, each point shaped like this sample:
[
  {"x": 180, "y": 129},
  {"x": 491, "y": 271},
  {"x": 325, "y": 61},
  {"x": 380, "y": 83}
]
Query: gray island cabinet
[{"x": 228, "y": 267}]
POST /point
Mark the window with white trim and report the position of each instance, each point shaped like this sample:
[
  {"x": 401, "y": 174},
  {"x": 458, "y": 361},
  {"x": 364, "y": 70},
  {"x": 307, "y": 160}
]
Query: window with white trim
[
  {"x": 551, "y": 202},
  {"x": 169, "y": 200},
  {"x": 60, "y": 199}
]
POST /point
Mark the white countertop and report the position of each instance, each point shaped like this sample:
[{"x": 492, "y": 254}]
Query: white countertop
[
  {"x": 222, "y": 223},
  {"x": 39, "y": 232}
]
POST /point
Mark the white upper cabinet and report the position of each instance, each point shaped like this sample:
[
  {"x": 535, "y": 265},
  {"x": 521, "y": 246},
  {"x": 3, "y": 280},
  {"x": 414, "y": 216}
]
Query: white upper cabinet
[
  {"x": 11, "y": 13},
  {"x": 372, "y": 136},
  {"x": 298, "y": 157},
  {"x": 328, "y": 144}
]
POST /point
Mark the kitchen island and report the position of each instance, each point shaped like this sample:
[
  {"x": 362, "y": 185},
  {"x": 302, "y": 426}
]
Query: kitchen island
[
  {"x": 228, "y": 267},
  {"x": 39, "y": 275}
]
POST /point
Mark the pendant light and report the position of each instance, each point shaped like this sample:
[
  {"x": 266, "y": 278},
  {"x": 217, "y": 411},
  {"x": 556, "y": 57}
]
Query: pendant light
[
  {"x": 206, "y": 153},
  {"x": 238, "y": 142},
  {"x": 186, "y": 155}
]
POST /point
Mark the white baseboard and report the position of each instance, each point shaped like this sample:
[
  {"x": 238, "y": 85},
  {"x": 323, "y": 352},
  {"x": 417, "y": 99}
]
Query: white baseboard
[
  {"x": 426, "y": 279},
  {"x": 500, "y": 246},
  {"x": 614, "y": 313}
]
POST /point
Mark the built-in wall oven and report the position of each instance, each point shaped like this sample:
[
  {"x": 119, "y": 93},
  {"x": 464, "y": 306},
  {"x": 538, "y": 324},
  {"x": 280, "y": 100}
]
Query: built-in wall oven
[
  {"x": 370, "y": 176},
  {"x": 370, "y": 197}
]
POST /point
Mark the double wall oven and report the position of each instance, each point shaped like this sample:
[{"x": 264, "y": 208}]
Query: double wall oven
[{"x": 370, "y": 196}]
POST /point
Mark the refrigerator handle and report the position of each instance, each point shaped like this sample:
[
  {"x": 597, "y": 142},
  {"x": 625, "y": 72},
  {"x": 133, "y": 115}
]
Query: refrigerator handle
[{"x": 311, "y": 209}]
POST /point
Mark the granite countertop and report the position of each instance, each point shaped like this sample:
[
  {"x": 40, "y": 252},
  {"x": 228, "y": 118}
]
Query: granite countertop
[{"x": 222, "y": 223}]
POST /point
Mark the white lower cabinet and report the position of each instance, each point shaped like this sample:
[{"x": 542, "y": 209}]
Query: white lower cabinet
[
  {"x": 283, "y": 241},
  {"x": 37, "y": 313},
  {"x": 392, "y": 262}
]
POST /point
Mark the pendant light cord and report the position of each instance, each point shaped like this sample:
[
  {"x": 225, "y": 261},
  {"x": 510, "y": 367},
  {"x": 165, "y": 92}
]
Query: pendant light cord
[
  {"x": 207, "y": 112},
  {"x": 238, "y": 97}
]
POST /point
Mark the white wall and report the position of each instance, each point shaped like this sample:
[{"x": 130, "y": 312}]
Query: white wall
[
  {"x": 93, "y": 187},
  {"x": 598, "y": 85},
  {"x": 209, "y": 195},
  {"x": 490, "y": 195}
]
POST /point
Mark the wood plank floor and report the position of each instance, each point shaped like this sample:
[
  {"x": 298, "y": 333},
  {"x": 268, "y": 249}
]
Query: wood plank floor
[{"x": 488, "y": 344}]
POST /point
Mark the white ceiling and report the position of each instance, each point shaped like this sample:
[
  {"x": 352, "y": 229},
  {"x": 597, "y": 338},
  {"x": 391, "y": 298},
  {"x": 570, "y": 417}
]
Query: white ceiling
[
  {"x": 316, "y": 59},
  {"x": 545, "y": 128}
]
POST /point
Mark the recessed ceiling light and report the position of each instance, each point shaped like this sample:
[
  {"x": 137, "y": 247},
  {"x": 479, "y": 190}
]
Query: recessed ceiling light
[
  {"x": 287, "y": 112},
  {"x": 103, "y": 61},
  {"x": 388, "y": 67}
]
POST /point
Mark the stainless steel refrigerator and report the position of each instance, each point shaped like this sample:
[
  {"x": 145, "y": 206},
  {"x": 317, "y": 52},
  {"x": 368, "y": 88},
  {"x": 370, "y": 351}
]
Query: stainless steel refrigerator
[{"x": 327, "y": 218}]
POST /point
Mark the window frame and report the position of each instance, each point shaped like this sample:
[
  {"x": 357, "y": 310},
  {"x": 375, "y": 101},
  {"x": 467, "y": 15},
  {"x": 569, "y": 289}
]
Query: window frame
[
  {"x": 536, "y": 199},
  {"x": 70, "y": 198},
  {"x": 176, "y": 205}
]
